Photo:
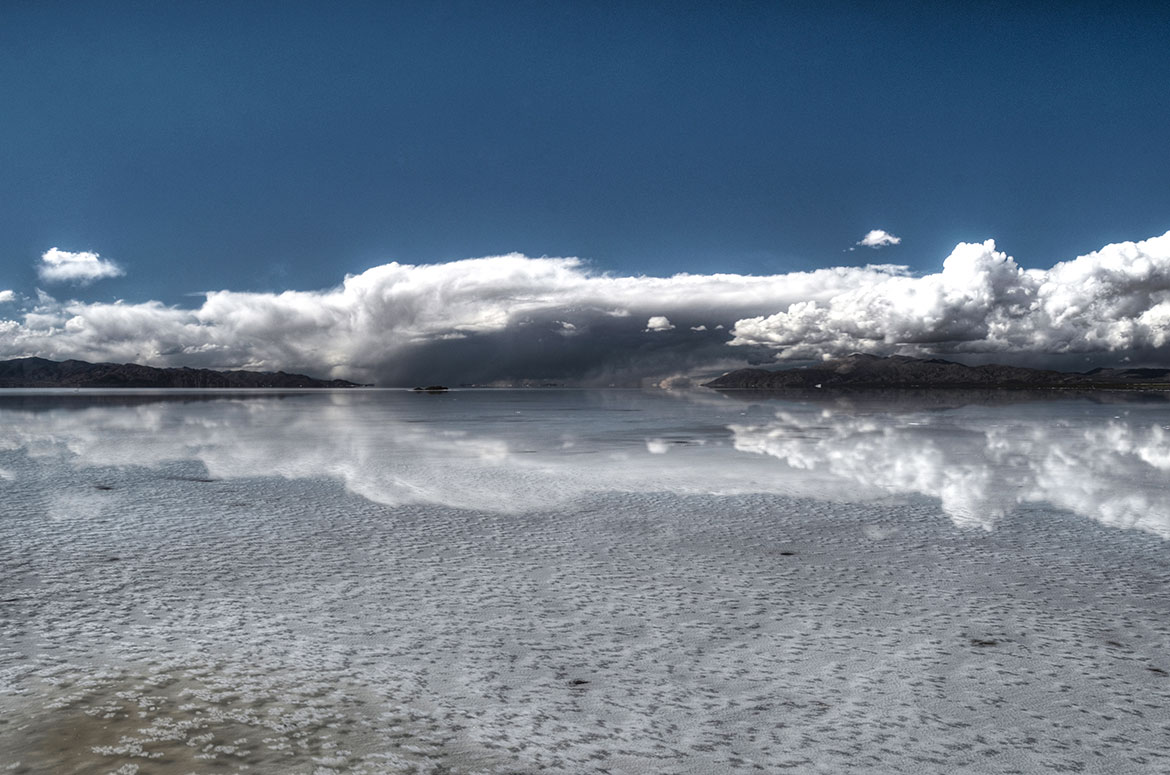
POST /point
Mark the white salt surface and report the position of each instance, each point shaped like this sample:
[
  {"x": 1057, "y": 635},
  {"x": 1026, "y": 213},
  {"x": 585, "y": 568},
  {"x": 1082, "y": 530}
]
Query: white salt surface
[{"x": 572, "y": 582}]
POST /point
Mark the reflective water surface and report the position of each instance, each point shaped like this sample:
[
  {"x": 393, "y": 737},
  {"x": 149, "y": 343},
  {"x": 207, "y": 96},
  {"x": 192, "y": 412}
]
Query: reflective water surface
[
  {"x": 583, "y": 581},
  {"x": 521, "y": 450}
]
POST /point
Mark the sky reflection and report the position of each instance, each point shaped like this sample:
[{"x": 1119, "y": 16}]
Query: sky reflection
[{"x": 513, "y": 451}]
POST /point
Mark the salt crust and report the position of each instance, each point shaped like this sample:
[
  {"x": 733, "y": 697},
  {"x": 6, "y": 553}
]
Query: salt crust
[{"x": 279, "y": 623}]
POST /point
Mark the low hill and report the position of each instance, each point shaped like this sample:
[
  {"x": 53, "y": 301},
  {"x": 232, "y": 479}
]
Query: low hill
[
  {"x": 42, "y": 373},
  {"x": 871, "y": 371}
]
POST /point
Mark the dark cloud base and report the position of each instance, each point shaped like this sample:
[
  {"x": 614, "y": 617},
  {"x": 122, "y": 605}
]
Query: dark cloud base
[{"x": 599, "y": 351}]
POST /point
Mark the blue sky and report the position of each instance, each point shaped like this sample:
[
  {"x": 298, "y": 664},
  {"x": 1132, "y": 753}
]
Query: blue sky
[{"x": 273, "y": 146}]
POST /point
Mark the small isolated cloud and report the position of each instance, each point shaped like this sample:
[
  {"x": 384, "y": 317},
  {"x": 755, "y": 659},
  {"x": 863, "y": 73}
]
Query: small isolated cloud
[
  {"x": 7, "y": 296},
  {"x": 61, "y": 266},
  {"x": 879, "y": 238},
  {"x": 659, "y": 323}
]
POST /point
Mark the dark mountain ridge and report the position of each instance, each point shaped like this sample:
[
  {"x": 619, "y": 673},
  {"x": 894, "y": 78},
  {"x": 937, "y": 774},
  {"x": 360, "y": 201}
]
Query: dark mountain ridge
[
  {"x": 898, "y": 371},
  {"x": 42, "y": 373}
]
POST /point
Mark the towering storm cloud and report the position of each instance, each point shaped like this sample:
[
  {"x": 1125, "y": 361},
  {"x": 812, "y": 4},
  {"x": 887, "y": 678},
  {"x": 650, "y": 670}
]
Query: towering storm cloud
[{"x": 512, "y": 317}]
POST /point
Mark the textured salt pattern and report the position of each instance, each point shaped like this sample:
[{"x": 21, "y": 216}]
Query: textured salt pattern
[{"x": 162, "y": 612}]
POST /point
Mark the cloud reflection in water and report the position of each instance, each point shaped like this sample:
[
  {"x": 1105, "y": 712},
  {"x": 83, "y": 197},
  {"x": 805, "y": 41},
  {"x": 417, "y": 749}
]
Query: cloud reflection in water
[
  {"x": 983, "y": 463},
  {"x": 517, "y": 451}
]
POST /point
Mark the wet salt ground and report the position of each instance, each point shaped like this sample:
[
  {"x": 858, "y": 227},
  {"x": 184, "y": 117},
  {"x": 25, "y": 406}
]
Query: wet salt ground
[{"x": 272, "y": 625}]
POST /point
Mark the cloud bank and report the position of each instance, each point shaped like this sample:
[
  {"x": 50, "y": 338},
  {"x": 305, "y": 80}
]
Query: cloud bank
[
  {"x": 1115, "y": 300},
  {"x": 476, "y": 320},
  {"x": 510, "y": 317},
  {"x": 61, "y": 266}
]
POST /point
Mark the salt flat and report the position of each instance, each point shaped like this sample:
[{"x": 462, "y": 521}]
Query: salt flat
[{"x": 581, "y": 582}]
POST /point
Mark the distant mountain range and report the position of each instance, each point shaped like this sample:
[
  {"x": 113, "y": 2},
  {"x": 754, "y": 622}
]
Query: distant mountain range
[
  {"x": 42, "y": 373},
  {"x": 871, "y": 371}
]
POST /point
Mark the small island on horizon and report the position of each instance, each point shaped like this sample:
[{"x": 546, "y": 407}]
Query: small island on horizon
[
  {"x": 43, "y": 373},
  {"x": 862, "y": 372}
]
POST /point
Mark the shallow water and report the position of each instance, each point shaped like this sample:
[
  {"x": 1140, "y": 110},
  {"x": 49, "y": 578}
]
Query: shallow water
[{"x": 582, "y": 581}]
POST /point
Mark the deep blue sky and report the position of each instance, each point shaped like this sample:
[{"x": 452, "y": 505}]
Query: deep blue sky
[{"x": 264, "y": 146}]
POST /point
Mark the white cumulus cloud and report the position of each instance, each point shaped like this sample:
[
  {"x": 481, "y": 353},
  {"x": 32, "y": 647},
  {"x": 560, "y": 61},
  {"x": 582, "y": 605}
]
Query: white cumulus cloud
[
  {"x": 7, "y": 296},
  {"x": 82, "y": 268},
  {"x": 475, "y": 320},
  {"x": 1113, "y": 300},
  {"x": 513, "y": 317},
  {"x": 878, "y": 238}
]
